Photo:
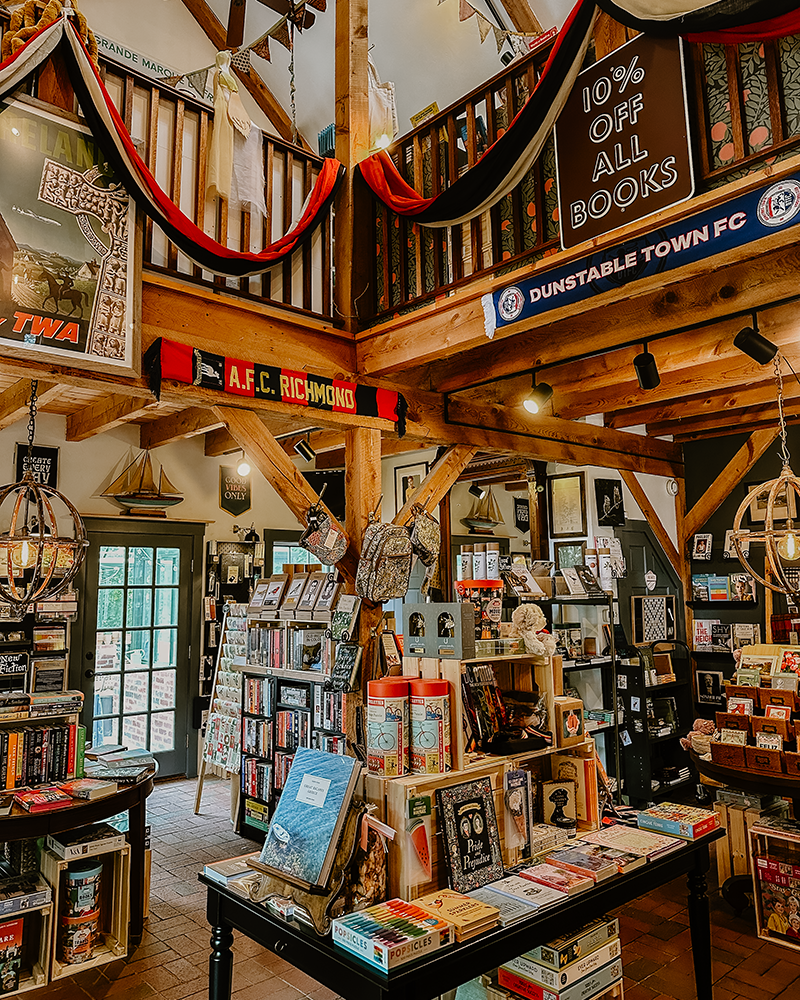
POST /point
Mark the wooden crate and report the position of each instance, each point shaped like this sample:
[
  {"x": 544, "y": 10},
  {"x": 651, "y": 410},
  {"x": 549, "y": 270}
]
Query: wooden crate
[
  {"x": 114, "y": 910},
  {"x": 449, "y": 670},
  {"x": 36, "y": 942}
]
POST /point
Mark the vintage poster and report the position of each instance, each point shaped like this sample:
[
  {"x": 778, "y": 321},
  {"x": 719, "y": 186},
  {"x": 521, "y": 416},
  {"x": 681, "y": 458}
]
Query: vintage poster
[{"x": 67, "y": 288}]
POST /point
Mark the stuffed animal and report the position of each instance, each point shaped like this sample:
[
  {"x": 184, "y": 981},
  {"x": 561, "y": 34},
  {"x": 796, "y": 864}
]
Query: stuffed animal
[
  {"x": 26, "y": 21},
  {"x": 529, "y": 623},
  {"x": 699, "y": 739}
]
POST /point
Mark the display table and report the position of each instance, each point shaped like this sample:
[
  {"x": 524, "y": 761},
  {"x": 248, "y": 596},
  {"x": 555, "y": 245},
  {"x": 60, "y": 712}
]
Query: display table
[
  {"x": 446, "y": 969},
  {"x": 22, "y": 825}
]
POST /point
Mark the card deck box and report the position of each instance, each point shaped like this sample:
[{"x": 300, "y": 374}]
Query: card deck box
[
  {"x": 784, "y": 729},
  {"x": 742, "y": 691},
  {"x": 730, "y": 720},
  {"x": 568, "y": 721},
  {"x": 728, "y": 754},
  {"x": 764, "y": 760},
  {"x": 776, "y": 696}
]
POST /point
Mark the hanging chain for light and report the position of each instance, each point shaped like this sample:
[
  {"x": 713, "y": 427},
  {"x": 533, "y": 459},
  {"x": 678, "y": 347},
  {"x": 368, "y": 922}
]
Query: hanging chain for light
[
  {"x": 32, "y": 412},
  {"x": 786, "y": 458},
  {"x": 292, "y": 88}
]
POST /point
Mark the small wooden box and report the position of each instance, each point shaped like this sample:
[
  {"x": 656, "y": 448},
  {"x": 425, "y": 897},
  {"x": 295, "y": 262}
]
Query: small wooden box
[
  {"x": 728, "y": 754},
  {"x": 742, "y": 691},
  {"x": 792, "y": 762},
  {"x": 784, "y": 729},
  {"x": 764, "y": 760},
  {"x": 731, "y": 720},
  {"x": 568, "y": 721},
  {"x": 775, "y": 696}
]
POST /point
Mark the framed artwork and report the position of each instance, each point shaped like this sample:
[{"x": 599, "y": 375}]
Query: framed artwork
[
  {"x": 653, "y": 618},
  {"x": 785, "y": 506},
  {"x": 567, "y": 503},
  {"x": 610, "y": 503},
  {"x": 569, "y": 554},
  {"x": 69, "y": 290},
  {"x": 49, "y": 674},
  {"x": 701, "y": 546},
  {"x": 406, "y": 480}
]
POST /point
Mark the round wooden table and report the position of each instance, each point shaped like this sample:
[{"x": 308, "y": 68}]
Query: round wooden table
[{"x": 22, "y": 825}]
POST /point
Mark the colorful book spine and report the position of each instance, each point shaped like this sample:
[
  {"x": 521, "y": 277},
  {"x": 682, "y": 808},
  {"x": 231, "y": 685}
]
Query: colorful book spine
[
  {"x": 573, "y": 973},
  {"x": 80, "y": 749},
  {"x": 591, "y": 986}
]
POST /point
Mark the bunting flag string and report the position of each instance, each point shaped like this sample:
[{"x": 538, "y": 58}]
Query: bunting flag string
[{"x": 111, "y": 135}]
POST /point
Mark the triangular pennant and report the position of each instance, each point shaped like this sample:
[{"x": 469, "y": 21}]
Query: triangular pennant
[
  {"x": 281, "y": 34},
  {"x": 484, "y": 27},
  {"x": 241, "y": 60},
  {"x": 321, "y": 5},
  {"x": 197, "y": 81},
  {"x": 465, "y": 10},
  {"x": 261, "y": 47},
  {"x": 172, "y": 81},
  {"x": 499, "y": 36}
]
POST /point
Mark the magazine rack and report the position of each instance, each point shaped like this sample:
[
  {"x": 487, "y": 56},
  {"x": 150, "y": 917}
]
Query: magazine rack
[{"x": 319, "y": 905}]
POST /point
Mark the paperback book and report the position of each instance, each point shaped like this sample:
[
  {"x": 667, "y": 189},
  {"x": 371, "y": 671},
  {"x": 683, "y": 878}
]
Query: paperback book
[
  {"x": 88, "y": 788},
  {"x": 510, "y": 908},
  {"x": 596, "y": 868},
  {"x": 625, "y": 838},
  {"x": 10, "y": 954},
  {"x": 391, "y": 934},
  {"x": 536, "y": 893},
  {"x": 469, "y": 916},
  {"x": 230, "y": 869},
  {"x": 43, "y": 799},
  {"x": 557, "y": 878}
]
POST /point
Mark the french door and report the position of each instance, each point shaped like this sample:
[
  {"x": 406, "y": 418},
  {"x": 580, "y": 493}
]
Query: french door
[{"x": 136, "y": 642}]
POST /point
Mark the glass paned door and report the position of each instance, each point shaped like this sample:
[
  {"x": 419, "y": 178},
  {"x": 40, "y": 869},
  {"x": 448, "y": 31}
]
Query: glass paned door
[{"x": 136, "y": 644}]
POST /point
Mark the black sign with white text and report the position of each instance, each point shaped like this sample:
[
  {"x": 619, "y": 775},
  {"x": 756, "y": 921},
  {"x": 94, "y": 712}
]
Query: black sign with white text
[{"x": 44, "y": 462}]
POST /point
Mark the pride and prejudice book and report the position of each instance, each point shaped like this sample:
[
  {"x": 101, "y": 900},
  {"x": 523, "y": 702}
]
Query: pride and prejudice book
[{"x": 304, "y": 831}]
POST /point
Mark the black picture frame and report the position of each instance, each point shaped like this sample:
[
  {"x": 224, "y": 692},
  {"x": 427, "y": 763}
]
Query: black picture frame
[
  {"x": 610, "y": 502},
  {"x": 569, "y": 554},
  {"x": 566, "y": 496}
]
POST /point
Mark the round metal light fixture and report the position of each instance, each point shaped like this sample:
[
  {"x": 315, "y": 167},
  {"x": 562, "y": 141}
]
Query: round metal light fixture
[
  {"x": 44, "y": 539},
  {"x": 243, "y": 468}
]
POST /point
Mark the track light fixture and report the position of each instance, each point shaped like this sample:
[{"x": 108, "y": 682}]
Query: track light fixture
[
  {"x": 305, "y": 451},
  {"x": 754, "y": 345},
  {"x": 646, "y": 369},
  {"x": 477, "y": 491},
  {"x": 538, "y": 396}
]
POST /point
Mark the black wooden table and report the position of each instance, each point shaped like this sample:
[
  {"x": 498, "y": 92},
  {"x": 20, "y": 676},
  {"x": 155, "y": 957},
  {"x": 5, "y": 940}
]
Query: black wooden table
[
  {"x": 446, "y": 969},
  {"x": 22, "y": 825}
]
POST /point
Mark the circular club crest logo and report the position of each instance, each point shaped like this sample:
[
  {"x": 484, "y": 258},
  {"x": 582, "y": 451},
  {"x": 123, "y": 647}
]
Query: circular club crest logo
[
  {"x": 779, "y": 204},
  {"x": 510, "y": 304}
]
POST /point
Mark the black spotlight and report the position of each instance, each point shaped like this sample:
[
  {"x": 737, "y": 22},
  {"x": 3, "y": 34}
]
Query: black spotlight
[
  {"x": 305, "y": 451},
  {"x": 646, "y": 370},
  {"x": 750, "y": 342},
  {"x": 477, "y": 491},
  {"x": 538, "y": 396}
]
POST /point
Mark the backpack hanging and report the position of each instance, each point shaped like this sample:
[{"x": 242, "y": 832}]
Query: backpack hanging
[
  {"x": 426, "y": 536},
  {"x": 385, "y": 564},
  {"x": 321, "y": 537}
]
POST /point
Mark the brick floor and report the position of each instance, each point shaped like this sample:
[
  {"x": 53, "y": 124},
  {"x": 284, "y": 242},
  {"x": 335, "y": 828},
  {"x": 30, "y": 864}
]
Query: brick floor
[{"x": 171, "y": 962}]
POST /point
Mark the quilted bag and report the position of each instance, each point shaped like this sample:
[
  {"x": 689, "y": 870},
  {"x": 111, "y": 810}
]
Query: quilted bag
[
  {"x": 426, "y": 536},
  {"x": 385, "y": 564},
  {"x": 321, "y": 537}
]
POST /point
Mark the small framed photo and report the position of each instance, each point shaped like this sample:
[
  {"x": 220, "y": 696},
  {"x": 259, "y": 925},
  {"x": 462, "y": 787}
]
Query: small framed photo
[
  {"x": 567, "y": 503},
  {"x": 785, "y": 505},
  {"x": 49, "y": 674},
  {"x": 569, "y": 554},
  {"x": 407, "y": 478},
  {"x": 610, "y": 503},
  {"x": 701, "y": 547},
  {"x": 729, "y": 549},
  {"x": 710, "y": 689}
]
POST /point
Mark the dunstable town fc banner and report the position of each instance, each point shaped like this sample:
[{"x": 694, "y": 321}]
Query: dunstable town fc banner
[{"x": 166, "y": 359}]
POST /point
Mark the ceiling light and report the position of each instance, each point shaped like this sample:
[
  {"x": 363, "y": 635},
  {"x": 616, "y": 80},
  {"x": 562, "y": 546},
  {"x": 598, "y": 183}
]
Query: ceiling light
[
  {"x": 538, "y": 396},
  {"x": 750, "y": 342},
  {"x": 243, "y": 467},
  {"x": 305, "y": 451},
  {"x": 477, "y": 491},
  {"x": 646, "y": 369}
]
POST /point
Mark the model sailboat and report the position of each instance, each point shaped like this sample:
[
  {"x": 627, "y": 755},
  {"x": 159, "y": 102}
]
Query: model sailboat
[
  {"x": 484, "y": 516},
  {"x": 136, "y": 489}
]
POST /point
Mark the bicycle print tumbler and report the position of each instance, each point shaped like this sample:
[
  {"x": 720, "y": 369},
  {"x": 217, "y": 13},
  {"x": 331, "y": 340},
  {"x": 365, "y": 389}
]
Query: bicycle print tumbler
[
  {"x": 430, "y": 726},
  {"x": 387, "y": 727}
]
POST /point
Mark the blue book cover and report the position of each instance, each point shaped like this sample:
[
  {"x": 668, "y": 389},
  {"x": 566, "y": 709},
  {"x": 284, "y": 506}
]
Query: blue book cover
[{"x": 305, "y": 826}]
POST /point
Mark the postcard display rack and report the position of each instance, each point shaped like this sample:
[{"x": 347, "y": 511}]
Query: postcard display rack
[{"x": 222, "y": 740}]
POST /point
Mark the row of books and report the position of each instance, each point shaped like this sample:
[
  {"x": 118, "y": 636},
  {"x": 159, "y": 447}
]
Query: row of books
[
  {"x": 713, "y": 636},
  {"x": 34, "y": 755},
  {"x": 292, "y": 729},
  {"x": 257, "y": 695},
  {"x": 257, "y": 737},
  {"x": 21, "y": 705},
  {"x": 256, "y": 778},
  {"x": 713, "y": 587},
  {"x": 290, "y": 648}
]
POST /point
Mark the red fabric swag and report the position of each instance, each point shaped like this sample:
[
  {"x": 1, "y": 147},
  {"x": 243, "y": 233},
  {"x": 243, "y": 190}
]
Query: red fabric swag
[{"x": 775, "y": 27}]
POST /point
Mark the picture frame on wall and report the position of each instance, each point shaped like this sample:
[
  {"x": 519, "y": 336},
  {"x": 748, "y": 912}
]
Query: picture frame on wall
[
  {"x": 567, "y": 503},
  {"x": 610, "y": 503},
  {"x": 569, "y": 554},
  {"x": 785, "y": 506},
  {"x": 406, "y": 480},
  {"x": 702, "y": 544}
]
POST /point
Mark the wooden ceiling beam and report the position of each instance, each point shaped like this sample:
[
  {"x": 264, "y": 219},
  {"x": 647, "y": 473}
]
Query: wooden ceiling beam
[
  {"x": 14, "y": 401},
  {"x": 522, "y": 17},
  {"x": 259, "y": 91},
  {"x": 188, "y": 423},
  {"x": 729, "y": 422},
  {"x": 106, "y": 414},
  {"x": 220, "y": 442}
]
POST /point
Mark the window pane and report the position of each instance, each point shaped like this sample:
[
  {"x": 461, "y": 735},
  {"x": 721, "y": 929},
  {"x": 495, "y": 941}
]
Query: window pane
[
  {"x": 280, "y": 556},
  {"x": 164, "y": 684},
  {"x": 108, "y": 651},
  {"x": 134, "y": 732},
  {"x": 166, "y": 606},
  {"x": 109, "y": 608},
  {"x": 139, "y": 608},
  {"x": 137, "y": 650},
  {"x": 112, "y": 566},
  {"x": 140, "y": 566},
  {"x": 106, "y": 694},
  {"x": 105, "y": 732},
  {"x": 165, "y": 647},
  {"x": 168, "y": 566},
  {"x": 162, "y": 732},
  {"x": 136, "y": 692},
  {"x": 299, "y": 555}
]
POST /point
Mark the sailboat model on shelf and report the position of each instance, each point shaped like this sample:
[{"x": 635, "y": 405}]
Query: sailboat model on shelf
[
  {"x": 136, "y": 489},
  {"x": 484, "y": 516}
]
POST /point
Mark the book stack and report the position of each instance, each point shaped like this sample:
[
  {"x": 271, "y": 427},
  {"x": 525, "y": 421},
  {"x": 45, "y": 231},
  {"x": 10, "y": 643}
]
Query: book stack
[
  {"x": 639, "y": 842},
  {"x": 578, "y": 967},
  {"x": 686, "y": 822},
  {"x": 86, "y": 841},
  {"x": 510, "y": 908},
  {"x": 48, "y": 703},
  {"x": 126, "y": 767},
  {"x": 557, "y": 878},
  {"x": 391, "y": 934},
  {"x": 230, "y": 869},
  {"x": 581, "y": 862},
  {"x": 468, "y": 915}
]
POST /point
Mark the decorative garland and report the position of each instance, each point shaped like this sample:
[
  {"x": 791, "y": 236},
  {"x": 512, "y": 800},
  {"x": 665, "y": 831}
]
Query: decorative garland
[
  {"x": 112, "y": 136},
  {"x": 166, "y": 359}
]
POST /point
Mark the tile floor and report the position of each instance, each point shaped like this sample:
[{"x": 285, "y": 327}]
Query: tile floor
[{"x": 171, "y": 963}]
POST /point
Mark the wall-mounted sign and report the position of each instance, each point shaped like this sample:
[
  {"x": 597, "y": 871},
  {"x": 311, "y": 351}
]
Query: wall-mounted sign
[
  {"x": 235, "y": 495},
  {"x": 13, "y": 663},
  {"x": 522, "y": 515},
  {"x": 43, "y": 463},
  {"x": 622, "y": 140}
]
